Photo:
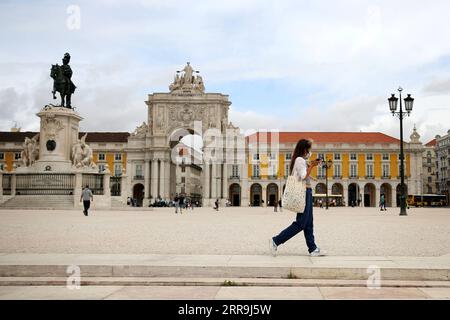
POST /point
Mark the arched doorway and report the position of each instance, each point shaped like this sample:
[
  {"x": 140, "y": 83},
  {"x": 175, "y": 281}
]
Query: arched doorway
[
  {"x": 256, "y": 194},
  {"x": 353, "y": 194},
  {"x": 320, "y": 194},
  {"x": 235, "y": 195},
  {"x": 386, "y": 189},
  {"x": 337, "y": 192},
  {"x": 398, "y": 193},
  {"x": 272, "y": 194},
  {"x": 184, "y": 165},
  {"x": 369, "y": 195},
  {"x": 138, "y": 194},
  {"x": 321, "y": 188}
]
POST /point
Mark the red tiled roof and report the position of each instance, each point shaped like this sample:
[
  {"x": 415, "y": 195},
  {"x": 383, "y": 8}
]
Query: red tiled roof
[
  {"x": 97, "y": 137},
  {"x": 326, "y": 137},
  {"x": 431, "y": 143}
]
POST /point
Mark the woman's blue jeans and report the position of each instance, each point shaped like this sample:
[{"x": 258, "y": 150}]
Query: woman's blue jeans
[{"x": 303, "y": 222}]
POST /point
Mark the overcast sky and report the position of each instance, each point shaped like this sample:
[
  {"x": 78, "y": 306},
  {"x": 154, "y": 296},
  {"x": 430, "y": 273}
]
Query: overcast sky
[{"x": 287, "y": 65}]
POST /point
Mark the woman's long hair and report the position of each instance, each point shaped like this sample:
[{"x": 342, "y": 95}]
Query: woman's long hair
[{"x": 300, "y": 150}]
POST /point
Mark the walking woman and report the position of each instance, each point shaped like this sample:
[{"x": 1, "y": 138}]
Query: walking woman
[{"x": 300, "y": 169}]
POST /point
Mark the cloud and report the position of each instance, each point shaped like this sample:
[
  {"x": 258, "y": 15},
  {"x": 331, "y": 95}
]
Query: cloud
[{"x": 438, "y": 86}]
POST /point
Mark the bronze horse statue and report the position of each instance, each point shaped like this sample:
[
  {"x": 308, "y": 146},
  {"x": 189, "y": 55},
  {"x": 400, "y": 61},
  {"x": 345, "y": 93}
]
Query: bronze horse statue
[{"x": 62, "y": 82}]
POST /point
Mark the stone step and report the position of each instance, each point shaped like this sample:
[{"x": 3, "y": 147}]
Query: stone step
[
  {"x": 38, "y": 201},
  {"x": 226, "y": 266},
  {"x": 225, "y": 282}
]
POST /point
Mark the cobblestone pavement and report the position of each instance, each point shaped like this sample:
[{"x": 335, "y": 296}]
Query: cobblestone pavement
[{"x": 339, "y": 231}]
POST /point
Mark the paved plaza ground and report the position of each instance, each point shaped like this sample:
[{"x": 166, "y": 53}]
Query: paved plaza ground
[{"x": 238, "y": 231}]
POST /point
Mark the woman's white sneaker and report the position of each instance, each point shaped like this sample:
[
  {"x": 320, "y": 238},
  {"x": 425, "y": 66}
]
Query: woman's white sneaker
[
  {"x": 317, "y": 253},
  {"x": 273, "y": 247}
]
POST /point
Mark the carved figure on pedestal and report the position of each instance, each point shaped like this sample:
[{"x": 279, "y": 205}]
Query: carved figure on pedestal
[
  {"x": 30, "y": 151},
  {"x": 82, "y": 155}
]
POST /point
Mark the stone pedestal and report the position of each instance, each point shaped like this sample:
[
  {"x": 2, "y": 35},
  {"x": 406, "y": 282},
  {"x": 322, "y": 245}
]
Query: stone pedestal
[{"x": 59, "y": 132}]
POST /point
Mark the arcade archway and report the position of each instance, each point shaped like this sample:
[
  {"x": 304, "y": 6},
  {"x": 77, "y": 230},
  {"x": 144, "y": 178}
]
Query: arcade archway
[
  {"x": 256, "y": 194},
  {"x": 235, "y": 195}
]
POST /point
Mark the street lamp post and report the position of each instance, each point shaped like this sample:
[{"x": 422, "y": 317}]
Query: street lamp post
[
  {"x": 401, "y": 114},
  {"x": 327, "y": 165}
]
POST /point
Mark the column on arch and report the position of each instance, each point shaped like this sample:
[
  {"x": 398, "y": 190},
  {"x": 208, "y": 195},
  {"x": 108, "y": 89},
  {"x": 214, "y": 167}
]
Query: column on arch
[
  {"x": 146, "y": 179},
  {"x": 225, "y": 180},
  {"x": 214, "y": 177},
  {"x": 206, "y": 178},
  {"x": 154, "y": 179},
  {"x": 167, "y": 179},
  {"x": 161, "y": 178}
]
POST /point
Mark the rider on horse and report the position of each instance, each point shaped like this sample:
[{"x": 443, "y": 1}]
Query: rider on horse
[{"x": 62, "y": 81}]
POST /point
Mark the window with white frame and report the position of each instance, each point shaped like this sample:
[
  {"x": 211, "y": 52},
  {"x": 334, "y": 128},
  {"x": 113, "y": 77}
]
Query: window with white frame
[
  {"x": 139, "y": 170},
  {"x": 337, "y": 156},
  {"x": 273, "y": 156},
  {"x": 288, "y": 156},
  {"x": 2, "y": 156},
  {"x": 321, "y": 156},
  {"x": 2, "y": 166},
  {"x": 320, "y": 171},
  {"x": 353, "y": 170},
  {"x": 256, "y": 170},
  {"x": 369, "y": 156},
  {"x": 101, "y": 167},
  {"x": 273, "y": 169},
  {"x": 369, "y": 170},
  {"x": 17, "y": 156},
  {"x": 385, "y": 170},
  {"x": 287, "y": 169},
  {"x": 118, "y": 157},
  {"x": 385, "y": 156},
  {"x": 256, "y": 156},
  {"x": 117, "y": 170},
  {"x": 235, "y": 170},
  {"x": 101, "y": 157},
  {"x": 429, "y": 169},
  {"x": 337, "y": 170},
  {"x": 353, "y": 156}
]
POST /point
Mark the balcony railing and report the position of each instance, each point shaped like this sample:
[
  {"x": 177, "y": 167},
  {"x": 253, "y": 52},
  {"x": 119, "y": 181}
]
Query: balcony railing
[
  {"x": 272, "y": 177},
  {"x": 233, "y": 177},
  {"x": 138, "y": 177},
  {"x": 337, "y": 177},
  {"x": 370, "y": 177},
  {"x": 353, "y": 177},
  {"x": 322, "y": 176},
  {"x": 386, "y": 177},
  {"x": 256, "y": 177}
]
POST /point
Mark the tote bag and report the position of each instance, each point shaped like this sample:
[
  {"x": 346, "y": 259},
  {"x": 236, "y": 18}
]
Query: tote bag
[{"x": 294, "y": 196}]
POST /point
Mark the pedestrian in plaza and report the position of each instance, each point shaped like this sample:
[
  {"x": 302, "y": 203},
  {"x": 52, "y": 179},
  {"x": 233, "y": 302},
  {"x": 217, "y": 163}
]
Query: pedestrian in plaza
[
  {"x": 304, "y": 221},
  {"x": 181, "y": 203},
  {"x": 382, "y": 203},
  {"x": 275, "y": 206},
  {"x": 216, "y": 205},
  {"x": 359, "y": 202},
  {"x": 86, "y": 197},
  {"x": 177, "y": 203},
  {"x": 279, "y": 204}
]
